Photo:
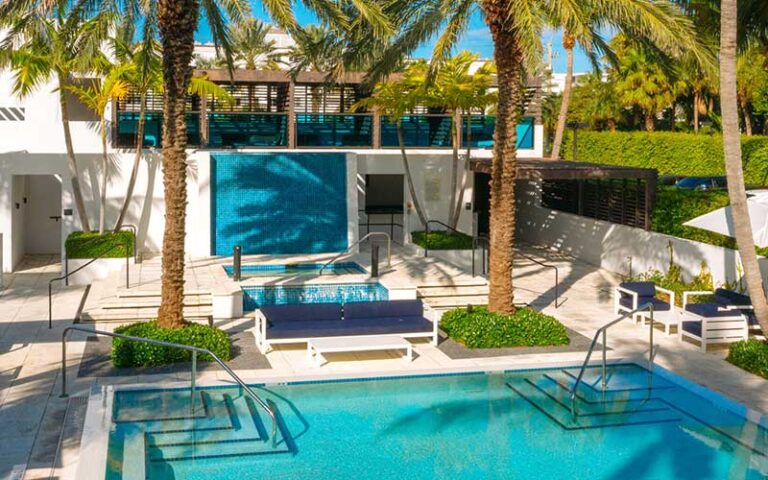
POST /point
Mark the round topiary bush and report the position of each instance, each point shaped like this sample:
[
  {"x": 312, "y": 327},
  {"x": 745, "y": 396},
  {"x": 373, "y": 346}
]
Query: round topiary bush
[
  {"x": 126, "y": 353},
  {"x": 479, "y": 328}
]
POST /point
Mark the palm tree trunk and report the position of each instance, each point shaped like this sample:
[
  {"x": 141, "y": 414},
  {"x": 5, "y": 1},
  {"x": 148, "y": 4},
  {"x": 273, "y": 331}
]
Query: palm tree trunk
[
  {"x": 747, "y": 117},
  {"x": 455, "y": 166},
  {"x": 71, "y": 160},
  {"x": 177, "y": 20},
  {"x": 509, "y": 65},
  {"x": 104, "y": 165},
  {"x": 733, "y": 166},
  {"x": 696, "y": 101},
  {"x": 136, "y": 163},
  {"x": 464, "y": 173},
  {"x": 650, "y": 122},
  {"x": 562, "y": 117},
  {"x": 409, "y": 178}
]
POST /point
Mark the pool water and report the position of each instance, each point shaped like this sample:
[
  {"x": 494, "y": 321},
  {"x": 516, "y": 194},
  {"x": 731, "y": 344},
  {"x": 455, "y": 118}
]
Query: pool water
[
  {"x": 470, "y": 426},
  {"x": 297, "y": 270},
  {"x": 256, "y": 296}
]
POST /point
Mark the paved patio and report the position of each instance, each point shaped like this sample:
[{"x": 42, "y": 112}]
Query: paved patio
[{"x": 40, "y": 432}]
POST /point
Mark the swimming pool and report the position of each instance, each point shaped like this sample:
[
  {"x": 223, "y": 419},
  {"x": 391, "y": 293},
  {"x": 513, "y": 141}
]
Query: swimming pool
[
  {"x": 466, "y": 426},
  {"x": 255, "y": 296},
  {"x": 297, "y": 269}
]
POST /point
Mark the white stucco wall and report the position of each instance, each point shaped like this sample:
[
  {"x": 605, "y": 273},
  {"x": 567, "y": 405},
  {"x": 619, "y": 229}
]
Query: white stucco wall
[{"x": 613, "y": 247}]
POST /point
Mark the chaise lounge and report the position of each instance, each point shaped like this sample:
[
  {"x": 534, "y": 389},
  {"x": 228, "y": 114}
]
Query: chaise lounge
[
  {"x": 286, "y": 324},
  {"x": 726, "y": 319}
]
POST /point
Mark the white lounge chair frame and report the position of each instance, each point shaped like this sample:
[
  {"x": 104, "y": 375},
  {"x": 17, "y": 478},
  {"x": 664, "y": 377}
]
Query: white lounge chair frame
[
  {"x": 668, "y": 317},
  {"x": 727, "y": 329}
]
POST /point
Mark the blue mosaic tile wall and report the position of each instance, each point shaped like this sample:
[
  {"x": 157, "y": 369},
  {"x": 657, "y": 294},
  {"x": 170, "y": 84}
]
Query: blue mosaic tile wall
[
  {"x": 253, "y": 297},
  {"x": 278, "y": 202}
]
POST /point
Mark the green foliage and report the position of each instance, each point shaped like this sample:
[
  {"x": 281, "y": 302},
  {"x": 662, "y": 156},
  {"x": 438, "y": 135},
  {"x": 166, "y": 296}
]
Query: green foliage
[
  {"x": 92, "y": 245},
  {"x": 479, "y": 328},
  {"x": 138, "y": 354},
  {"x": 674, "y": 206},
  {"x": 750, "y": 355},
  {"x": 673, "y": 280},
  {"x": 441, "y": 240},
  {"x": 669, "y": 153}
]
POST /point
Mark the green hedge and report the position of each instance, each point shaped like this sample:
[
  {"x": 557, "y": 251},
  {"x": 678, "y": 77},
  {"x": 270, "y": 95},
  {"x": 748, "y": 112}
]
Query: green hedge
[
  {"x": 440, "y": 240},
  {"x": 670, "y": 153},
  {"x": 137, "y": 354},
  {"x": 479, "y": 328},
  {"x": 750, "y": 355},
  {"x": 91, "y": 244}
]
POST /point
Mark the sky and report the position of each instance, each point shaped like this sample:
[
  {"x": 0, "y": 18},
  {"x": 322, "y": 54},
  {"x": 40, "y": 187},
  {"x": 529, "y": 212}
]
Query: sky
[{"x": 476, "y": 39}]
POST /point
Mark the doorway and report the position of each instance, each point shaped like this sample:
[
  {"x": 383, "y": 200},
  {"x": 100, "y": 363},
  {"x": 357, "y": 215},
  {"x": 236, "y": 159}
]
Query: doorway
[
  {"x": 41, "y": 211},
  {"x": 384, "y": 205}
]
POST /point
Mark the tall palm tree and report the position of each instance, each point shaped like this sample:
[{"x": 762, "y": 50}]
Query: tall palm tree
[
  {"x": 394, "y": 99},
  {"x": 752, "y": 76},
  {"x": 97, "y": 95},
  {"x": 41, "y": 45},
  {"x": 516, "y": 27},
  {"x": 317, "y": 49},
  {"x": 729, "y": 105},
  {"x": 454, "y": 89},
  {"x": 250, "y": 44}
]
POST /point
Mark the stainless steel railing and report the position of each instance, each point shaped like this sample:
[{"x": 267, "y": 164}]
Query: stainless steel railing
[
  {"x": 195, "y": 350},
  {"x": 389, "y": 250},
  {"x": 602, "y": 330}
]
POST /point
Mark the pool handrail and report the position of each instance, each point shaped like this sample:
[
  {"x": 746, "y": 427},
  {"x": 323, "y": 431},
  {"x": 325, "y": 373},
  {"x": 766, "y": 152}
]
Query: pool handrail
[
  {"x": 195, "y": 350},
  {"x": 368, "y": 235},
  {"x": 646, "y": 306}
]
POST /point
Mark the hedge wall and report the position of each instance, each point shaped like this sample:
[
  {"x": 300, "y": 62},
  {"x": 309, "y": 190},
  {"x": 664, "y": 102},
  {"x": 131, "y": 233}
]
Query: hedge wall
[
  {"x": 670, "y": 153},
  {"x": 91, "y": 244}
]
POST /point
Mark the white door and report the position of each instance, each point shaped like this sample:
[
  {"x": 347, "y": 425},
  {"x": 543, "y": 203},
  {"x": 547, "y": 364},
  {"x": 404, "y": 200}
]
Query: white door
[{"x": 43, "y": 215}]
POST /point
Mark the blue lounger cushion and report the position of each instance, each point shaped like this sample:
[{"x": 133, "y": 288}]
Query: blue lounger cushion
[
  {"x": 729, "y": 297},
  {"x": 317, "y": 312},
  {"x": 693, "y": 327},
  {"x": 710, "y": 310},
  {"x": 340, "y": 328},
  {"x": 383, "y": 309},
  {"x": 646, "y": 293}
]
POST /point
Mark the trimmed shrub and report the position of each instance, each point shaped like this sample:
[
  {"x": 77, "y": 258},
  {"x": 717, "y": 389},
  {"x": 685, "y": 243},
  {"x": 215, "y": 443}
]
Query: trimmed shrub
[
  {"x": 750, "y": 355},
  {"x": 91, "y": 244},
  {"x": 674, "y": 206},
  {"x": 673, "y": 280},
  {"x": 440, "y": 240},
  {"x": 479, "y": 328},
  {"x": 670, "y": 153},
  {"x": 127, "y": 353}
]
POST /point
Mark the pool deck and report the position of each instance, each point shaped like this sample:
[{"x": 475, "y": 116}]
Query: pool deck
[{"x": 40, "y": 432}]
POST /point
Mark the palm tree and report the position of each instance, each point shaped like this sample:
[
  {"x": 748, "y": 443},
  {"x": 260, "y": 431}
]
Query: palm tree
[
  {"x": 250, "y": 44},
  {"x": 52, "y": 44},
  {"x": 454, "y": 89},
  {"x": 729, "y": 105},
  {"x": 516, "y": 27},
  {"x": 96, "y": 96},
  {"x": 752, "y": 76},
  {"x": 317, "y": 49},
  {"x": 394, "y": 99}
]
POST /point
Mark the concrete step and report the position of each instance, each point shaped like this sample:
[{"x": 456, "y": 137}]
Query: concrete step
[
  {"x": 456, "y": 301},
  {"x": 143, "y": 292},
  {"x": 480, "y": 282},
  {"x": 138, "y": 314},
  {"x": 154, "y": 302},
  {"x": 451, "y": 291}
]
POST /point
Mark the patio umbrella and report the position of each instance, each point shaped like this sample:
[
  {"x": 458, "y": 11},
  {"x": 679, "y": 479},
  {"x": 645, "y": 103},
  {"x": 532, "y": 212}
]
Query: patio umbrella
[{"x": 721, "y": 220}]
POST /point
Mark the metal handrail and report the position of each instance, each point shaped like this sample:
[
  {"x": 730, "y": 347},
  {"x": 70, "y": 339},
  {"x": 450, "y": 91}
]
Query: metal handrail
[
  {"x": 546, "y": 265},
  {"x": 477, "y": 241},
  {"x": 81, "y": 267},
  {"x": 389, "y": 250},
  {"x": 195, "y": 350},
  {"x": 646, "y": 306},
  {"x": 426, "y": 233},
  {"x": 135, "y": 231}
]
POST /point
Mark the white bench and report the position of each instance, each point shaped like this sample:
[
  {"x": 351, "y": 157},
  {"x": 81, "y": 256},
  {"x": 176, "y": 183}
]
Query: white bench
[{"x": 316, "y": 347}]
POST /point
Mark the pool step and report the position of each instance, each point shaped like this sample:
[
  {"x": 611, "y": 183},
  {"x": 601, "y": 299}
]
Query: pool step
[{"x": 615, "y": 407}]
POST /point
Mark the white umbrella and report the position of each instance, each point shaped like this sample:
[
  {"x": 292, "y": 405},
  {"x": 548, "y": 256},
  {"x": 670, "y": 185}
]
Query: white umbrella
[{"x": 721, "y": 220}]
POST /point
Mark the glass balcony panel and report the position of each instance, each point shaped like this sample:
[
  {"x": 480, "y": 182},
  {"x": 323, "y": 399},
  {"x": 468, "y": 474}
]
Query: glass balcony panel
[
  {"x": 128, "y": 124},
  {"x": 235, "y": 130},
  {"x": 426, "y": 131},
  {"x": 334, "y": 130},
  {"x": 482, "y": 127}
]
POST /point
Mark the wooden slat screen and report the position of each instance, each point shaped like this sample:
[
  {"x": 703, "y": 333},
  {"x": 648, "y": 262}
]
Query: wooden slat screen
[{"x": 620, "y": 201}]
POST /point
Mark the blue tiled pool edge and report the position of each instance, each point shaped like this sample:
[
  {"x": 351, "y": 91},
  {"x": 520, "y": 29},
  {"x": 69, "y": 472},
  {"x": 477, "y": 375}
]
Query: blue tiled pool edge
[{"x": 257, "y": 295}]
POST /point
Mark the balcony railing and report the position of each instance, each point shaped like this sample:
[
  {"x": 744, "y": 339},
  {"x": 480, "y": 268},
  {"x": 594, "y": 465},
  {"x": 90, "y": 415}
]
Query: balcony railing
[
  {"x": 128, "y": 124},
  {"x": 238, "y": 130},
  {"x": 319, "y": 130},
  {"x": 334, "y": 130}
]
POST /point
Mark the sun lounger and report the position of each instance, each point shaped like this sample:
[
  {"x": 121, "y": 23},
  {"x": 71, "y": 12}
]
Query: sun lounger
[
  {"x": 629, "y": 296},
  {"x": 722, "y": 320},
  {"x": 276, "y": 324}
]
